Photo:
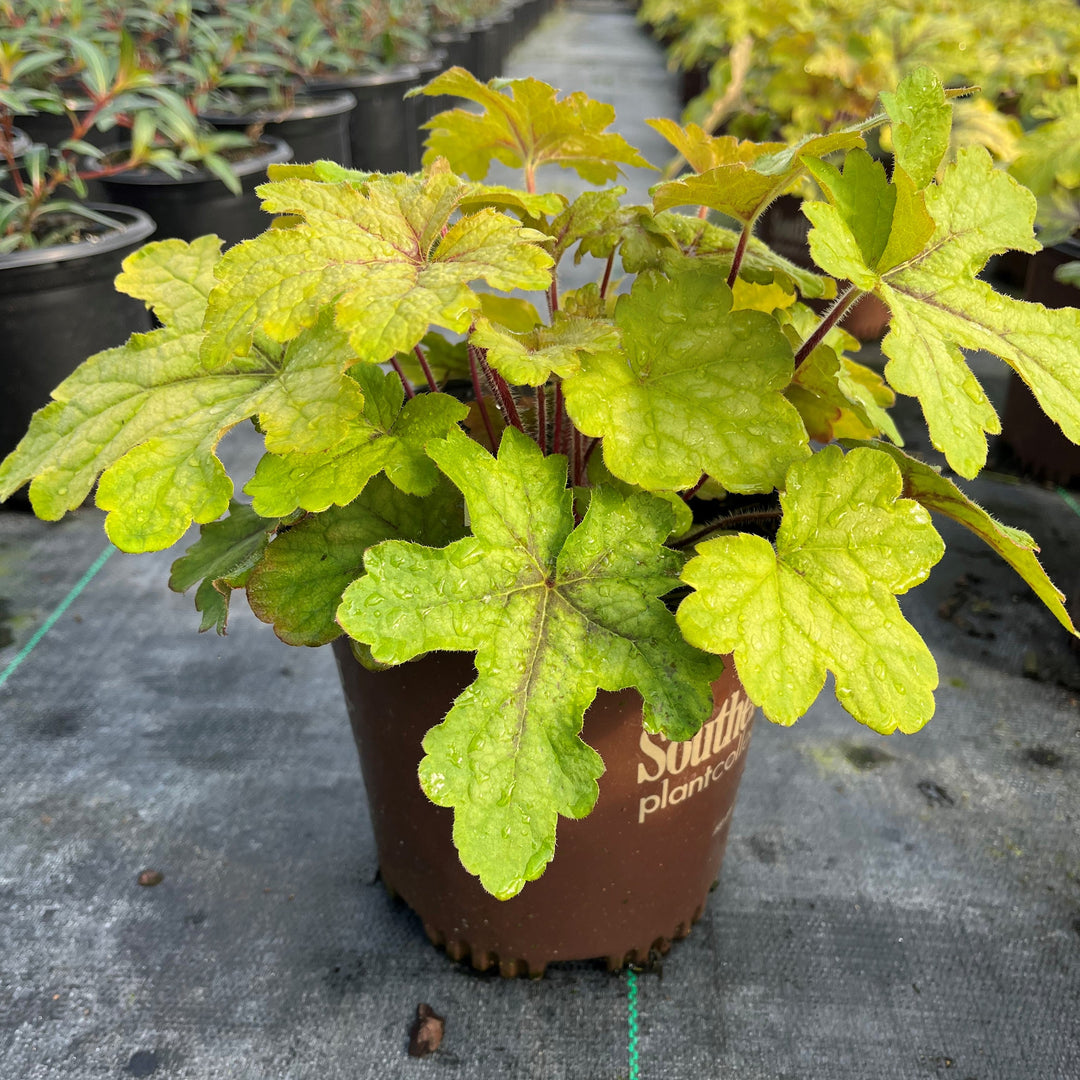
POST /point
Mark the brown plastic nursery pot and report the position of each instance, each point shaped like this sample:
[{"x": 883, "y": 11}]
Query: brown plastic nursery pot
[{"x": 625, "y": 881}]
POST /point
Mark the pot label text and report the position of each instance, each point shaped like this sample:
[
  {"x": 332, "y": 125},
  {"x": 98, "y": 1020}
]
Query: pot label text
[{"x": 676, "y": 771}]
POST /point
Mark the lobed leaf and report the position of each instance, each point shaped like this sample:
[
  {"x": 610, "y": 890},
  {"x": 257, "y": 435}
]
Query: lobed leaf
[
  {"x": 298, "y": 583},
  {"x": 703, "y": 151},
  {"x": 525, "y": 127},
  {"x": 147, "y": 416},
  {"x": 388, "y": 437},
  {"x": 531, "y": 358},
  {"x": 554, "y": 612},
  {"x": 921, "y": 118},
  {"x": 174, "y": 278},
  {"x": 1016, "y": 547},
  {"x": 749, "y": 175},
  {"x": 383, "y": 253},
  {"x": 823, "y": 600},
  {"x": 698, "y": 388}
]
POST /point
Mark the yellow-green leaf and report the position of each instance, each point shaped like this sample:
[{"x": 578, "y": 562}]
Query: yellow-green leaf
[
  {"x": 1016, "y": 547},
  {"x": 385, "y": 254},
  {"x": 529, "y": 359},
  {"x": 554, "y": 612},
  {"x": 523, "y": 124},
  {"x": 824, "y": 600},
  {"x": 697, "y": 389}
]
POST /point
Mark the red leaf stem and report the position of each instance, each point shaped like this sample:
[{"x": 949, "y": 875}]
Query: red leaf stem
[
  {"x": 503, "y": 397},
  {"x": 541, "y": 418},
  {"x": 478, "y": 391},
  {"x": 740, "y": 252},
  {"x": 844, "y": 301},
  {"x": 607, "y": 274},
  {"x": 409, "y": 391},
  {"x": 432, "y": 384},
  {"x": 556, "y": 440},
  {"x": 691, "y": 492}
]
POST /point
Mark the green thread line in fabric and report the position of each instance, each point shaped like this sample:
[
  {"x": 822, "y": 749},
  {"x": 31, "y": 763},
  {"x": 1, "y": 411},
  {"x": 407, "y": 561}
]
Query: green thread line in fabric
[
  {"x": 1069, "y": 501},
  {"x": 51, "y": 621},
  {"x": 632, "y": 1023}
]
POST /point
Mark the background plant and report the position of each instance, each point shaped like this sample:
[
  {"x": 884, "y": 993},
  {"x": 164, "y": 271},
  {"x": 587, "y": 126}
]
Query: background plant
[
  {"x": 799, "y": 66},
  {"x": 598, "y": 418},
  {"x": 1048, "y": 163}
]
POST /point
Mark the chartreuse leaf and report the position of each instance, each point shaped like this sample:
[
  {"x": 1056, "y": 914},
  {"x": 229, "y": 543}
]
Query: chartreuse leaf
[
  {"x": 697, "y": 389},
  {"x": 529, "y": 359},
  {"x": 600, "y": 475},
  {"x": 325, "y": 171},
  {"x": 221, "y": 560},
  {"x": 513, "y": 313},
  {"x": 703, "y": 151},
  {"x": 299, "y": 580},
  {"x": 755, "y": 174},
  {"x": 174, "y": 278},
  {"x": 388, "y": 437},
  {"x": 869, "y": 226},
  {"x": 148, "y": 416},
  {"x": 921, "y": 124},
  {"x": 527, "y": 204},
  {"x": 925, "y": 484},
  {"x": 836, "y": 396},
  {"x": 524, "y": 127},
  {"x": 554, "y": 612},
  {"x": 750, "y": 296},
  {"x": 383, "y": 253},
  {"x": 823, "y": 600},
  {"x": 938, "y": 308},
  {"x": 589, "y": 221},
  {"x": 668, "y": 241}
]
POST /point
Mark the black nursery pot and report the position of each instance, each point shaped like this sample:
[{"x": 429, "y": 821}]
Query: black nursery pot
[
  {"x": 382, "y": 127},
  {"x": 426, "y": 107},
  {"x": 199, "y": 203},
  {"x": 57, "y": 307},
  {"x": 488, "y": 40},
  {"x": 456, "y": 45},
  {"x": 53, "y": 128},
  {"x": 317, "y": 129}
]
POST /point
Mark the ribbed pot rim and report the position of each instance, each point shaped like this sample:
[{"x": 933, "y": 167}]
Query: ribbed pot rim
[
  {"x": 277, "y": 151},
  {"x": 140, "y": 226},
  {"x": 344, "y": 80},
  {"x": 303, "y": 108}
]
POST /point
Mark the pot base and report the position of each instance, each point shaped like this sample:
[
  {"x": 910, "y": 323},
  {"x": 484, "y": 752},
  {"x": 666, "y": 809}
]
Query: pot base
[{"x": 484, "y": 960}]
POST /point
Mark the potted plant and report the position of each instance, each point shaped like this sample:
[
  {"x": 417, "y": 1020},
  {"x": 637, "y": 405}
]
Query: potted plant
[
  {"x": 210, "y": 184},
  {"x": 57, "y": 249},
  {"x": 367, "y": 50},
  {"x": 66, "y": 66},
  {"x": 251, "y": 79},
  {"x": 647, "y": 477}
]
